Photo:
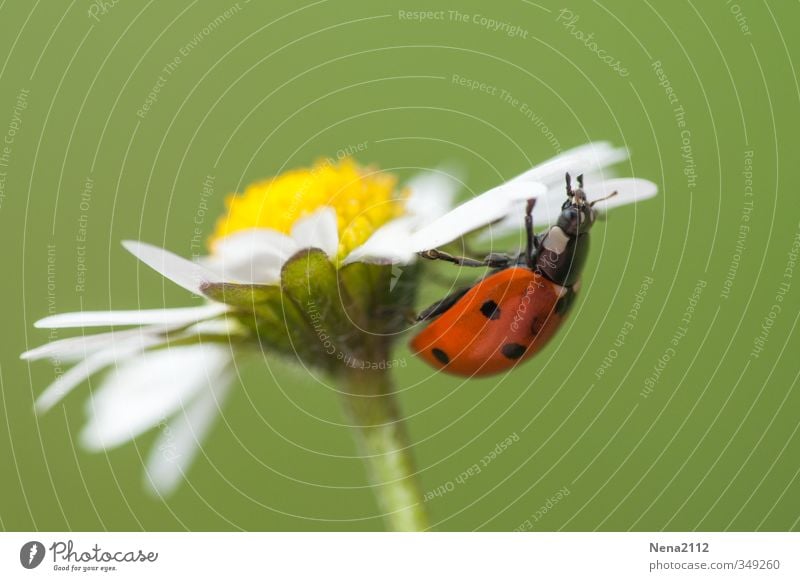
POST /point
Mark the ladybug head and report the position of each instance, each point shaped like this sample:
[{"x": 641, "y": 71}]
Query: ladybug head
[{"x": 577, "y": 214}]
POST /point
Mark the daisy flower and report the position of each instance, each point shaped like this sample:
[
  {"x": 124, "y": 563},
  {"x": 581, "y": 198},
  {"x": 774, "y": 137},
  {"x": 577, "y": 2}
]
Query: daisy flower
[{"x": 300, "y": 266}]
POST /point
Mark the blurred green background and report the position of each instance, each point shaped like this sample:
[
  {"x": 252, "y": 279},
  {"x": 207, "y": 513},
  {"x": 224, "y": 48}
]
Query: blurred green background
[{"x": 699, "y": 432}]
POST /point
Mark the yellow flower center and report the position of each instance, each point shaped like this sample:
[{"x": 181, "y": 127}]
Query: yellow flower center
[{"x": 364, "y": 199}]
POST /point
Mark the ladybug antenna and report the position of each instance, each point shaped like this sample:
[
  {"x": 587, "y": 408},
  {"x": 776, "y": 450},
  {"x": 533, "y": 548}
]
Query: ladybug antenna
[
  {"x": 569, "y": 185},
  {"x": 611, "y": 195},
  {"x": 580, "y": 181}
]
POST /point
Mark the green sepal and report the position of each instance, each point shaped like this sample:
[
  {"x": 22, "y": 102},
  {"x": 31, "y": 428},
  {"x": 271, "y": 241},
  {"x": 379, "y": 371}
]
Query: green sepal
[
  {"x": 328, "y": 318},
  {"x": 382, "y": 294},
  {"x": 309, "y": 279},
  {"x": 277, "y": 323},
  {"x": 243, "y": 296}
]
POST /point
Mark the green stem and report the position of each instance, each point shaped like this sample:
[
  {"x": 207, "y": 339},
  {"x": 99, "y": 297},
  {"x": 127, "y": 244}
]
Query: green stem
[{"x": 371, "y": 405}]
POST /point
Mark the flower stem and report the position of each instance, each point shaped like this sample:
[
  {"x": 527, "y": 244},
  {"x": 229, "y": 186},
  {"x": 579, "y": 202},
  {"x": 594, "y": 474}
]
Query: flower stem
[{"x": 371, "y": 405}]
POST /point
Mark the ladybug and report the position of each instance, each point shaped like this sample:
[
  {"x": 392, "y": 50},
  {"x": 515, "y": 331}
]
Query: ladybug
[{"x": 511, "y": 314}]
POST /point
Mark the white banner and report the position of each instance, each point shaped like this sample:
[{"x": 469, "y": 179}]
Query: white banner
[{"x": 401, "y": 556}]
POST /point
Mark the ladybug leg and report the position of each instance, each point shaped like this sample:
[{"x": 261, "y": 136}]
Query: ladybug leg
[
  {"x": 496, "y": 260},
  {"x": 441, "y": 306},
  {"x": 532, "y": 242},
  {"x": 459, "y": 260},
  {"x": 491, "y": 261}
]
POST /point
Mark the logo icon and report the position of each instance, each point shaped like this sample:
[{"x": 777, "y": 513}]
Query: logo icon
[
  {"x": 397, "y": 272},
  {"x": 31, "y": 554}
]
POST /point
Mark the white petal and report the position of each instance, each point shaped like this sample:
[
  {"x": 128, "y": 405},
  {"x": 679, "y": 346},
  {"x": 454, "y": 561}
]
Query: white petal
[
  {"x": 629, "y": 190},
  {"x": 252, "y": 256},
  {"x": 133, "y": 317},
  {"x": 432, "y": 193},
  {"x": 116, "y": 352},
  {"x": 239, "y": 246},
  {"x": 389, "y": 244},
  {"x": 82, "y": 346},
  {"x": 148, "y": 389},
  {"x": 182, "y": 272},
  {"x": 180, "y": 440},
  {"x": 478, "y": 212},
  {"x": 545, "y": 213},
  {"x": 584, "y": 159},
  {"x": 225, "y": 326},
  {"x": 318, "y": 230},
  {"x": 431, "y": 197},
  {"x": 548, "y": 207}
]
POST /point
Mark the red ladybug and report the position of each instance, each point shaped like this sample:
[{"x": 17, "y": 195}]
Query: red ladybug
[{"x": 509, "y": 315}]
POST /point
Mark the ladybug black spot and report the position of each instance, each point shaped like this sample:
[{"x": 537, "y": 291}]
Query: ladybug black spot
[
  {"x": 490, "y": 310},
  {"x": 441, "y": 356},
  {"x": 536, "y": 326},
  {"x": 513, "y": 350}
]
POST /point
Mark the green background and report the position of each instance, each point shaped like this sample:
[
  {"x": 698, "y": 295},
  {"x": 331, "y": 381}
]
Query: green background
[{"x": 278, "y": 85}]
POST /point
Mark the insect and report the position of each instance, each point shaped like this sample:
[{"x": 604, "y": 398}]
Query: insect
[{"x": 509, "y": 315}]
